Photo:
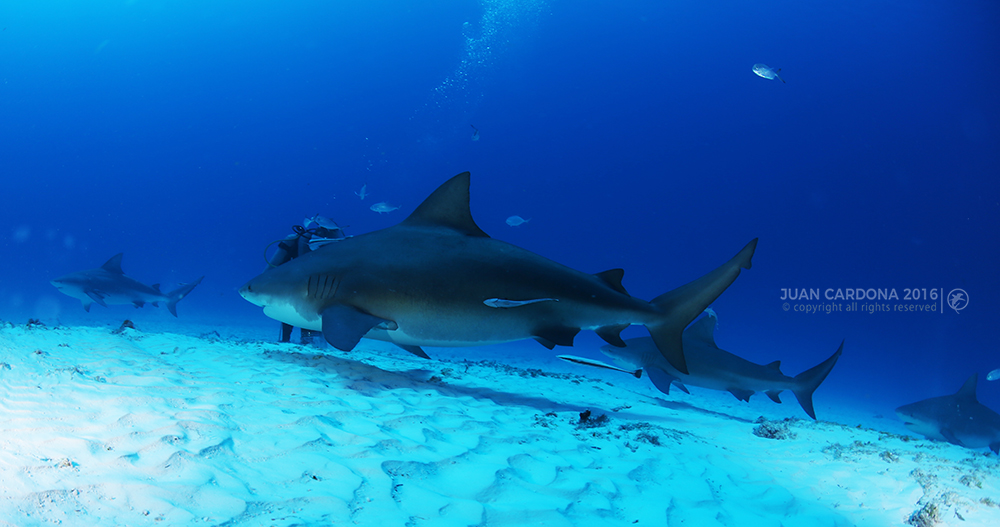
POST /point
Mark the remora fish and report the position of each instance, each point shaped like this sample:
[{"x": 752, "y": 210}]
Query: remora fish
[
  {"x": 108, "y": 285},
  {"x": 598, "y": 364},
  {"x": 717, "y": 369},
  {"x": 425, "y": 281}
]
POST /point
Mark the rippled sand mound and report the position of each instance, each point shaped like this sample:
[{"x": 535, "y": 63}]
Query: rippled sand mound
[{"x": 99, "y": 428}]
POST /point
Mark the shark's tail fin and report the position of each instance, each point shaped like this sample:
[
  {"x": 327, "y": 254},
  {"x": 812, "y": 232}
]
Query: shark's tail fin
[
  {"x": 684, "y": 304},
  {"x": 178, "y": 294},
  {"x": 807, "y": 381}
]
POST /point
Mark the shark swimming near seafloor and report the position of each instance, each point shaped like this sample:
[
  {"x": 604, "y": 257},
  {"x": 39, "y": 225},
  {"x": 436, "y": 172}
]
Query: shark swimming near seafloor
[
  {"x": 108, "y": 285},
  {"x": 436, "y": 279},
  {"x": 714, "y": 368},
  {"x": 959, "y": 419}
]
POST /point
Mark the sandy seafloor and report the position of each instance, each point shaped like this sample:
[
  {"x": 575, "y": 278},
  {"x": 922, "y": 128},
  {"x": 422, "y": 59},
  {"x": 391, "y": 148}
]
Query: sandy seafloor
[{"x": 156, "y": 428}]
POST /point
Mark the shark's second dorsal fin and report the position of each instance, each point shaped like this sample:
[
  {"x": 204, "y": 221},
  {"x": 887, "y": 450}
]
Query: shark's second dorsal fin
[
  {"x": 114, "y": 264},
  {"x": 776, "y": 365},
  {"x": 448, "y": 206},
  {"x": 703, "y": 329},
  {"x": 613, "y": 277},
  {"x": 968, "y": 390}
]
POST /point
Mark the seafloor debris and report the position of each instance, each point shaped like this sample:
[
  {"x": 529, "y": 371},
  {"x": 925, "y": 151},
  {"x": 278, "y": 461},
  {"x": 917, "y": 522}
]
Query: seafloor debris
[
  {"x": 773, "y": 429},
  {"x": 586, "y": 421}
]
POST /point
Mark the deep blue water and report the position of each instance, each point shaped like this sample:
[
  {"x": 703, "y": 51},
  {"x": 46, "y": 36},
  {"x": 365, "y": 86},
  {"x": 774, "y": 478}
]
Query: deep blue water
[{"x": 190, "y": 134}]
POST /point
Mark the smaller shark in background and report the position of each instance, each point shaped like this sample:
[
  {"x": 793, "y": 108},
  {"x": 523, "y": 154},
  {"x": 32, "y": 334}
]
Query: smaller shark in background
[
  {"x": 717, "y": 369},
  {"x": 959, "y": 419},
  {"x": 108, "y": 285}
]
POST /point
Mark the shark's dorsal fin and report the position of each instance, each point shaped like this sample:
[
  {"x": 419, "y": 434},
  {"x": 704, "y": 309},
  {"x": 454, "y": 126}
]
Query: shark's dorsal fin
[
  {"x": 448, "y": 206},
  {"x": 776, "y": 366},
  {"x": 968, "y": 390},
  {"x": 703, "y": 329},
  {"x": 613, "y": 277},
  {"x": 114, "y": 264},
  {"x": 156, "y": 287}
]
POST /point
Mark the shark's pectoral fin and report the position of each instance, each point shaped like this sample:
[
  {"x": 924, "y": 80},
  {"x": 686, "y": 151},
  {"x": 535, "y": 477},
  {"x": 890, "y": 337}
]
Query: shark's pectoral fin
[
  {"x": 343, "y": 325},
  {"x": 661, "y": 379},
  {"x": 612, "y": 335},
  {"x": 96, "y": 297},
  {"x": 558, "y": 335},
  {"x": 949, "y": 435},
  {"x": 773, "y": 394},
  {"x": 414, "y": 350},
  {"x": 743, "y": 395}
]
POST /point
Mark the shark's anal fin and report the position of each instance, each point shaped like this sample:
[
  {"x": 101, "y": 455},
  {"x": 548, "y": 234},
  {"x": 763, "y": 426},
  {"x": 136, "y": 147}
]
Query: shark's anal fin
[
  {"x": 558, "y": 335},
  {"x": 343, "y": 325},
  {"x": 773, "y": 394},
  {"x": 743, "y": 395},
  {"x": 612, "y": 334},
  {"x": 96, "y": 296},
  {"x": 415, "y": 350}
]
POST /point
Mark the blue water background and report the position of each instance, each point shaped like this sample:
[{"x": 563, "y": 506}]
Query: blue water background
[{"x": 190, "y": 134}]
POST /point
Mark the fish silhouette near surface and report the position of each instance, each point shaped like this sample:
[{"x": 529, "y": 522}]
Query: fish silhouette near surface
[
  {"x": 363, "y": 192},
  {"x": 436, "y": 279},
  {"x": 108, "y": 285},
  {"x": 382, "y": 207},
  {"x": 767, "y": 72},
  {"x": 959, "y": 419},
  {"x": 716, "y": 369},
  {"x": 516, "y": 221}
]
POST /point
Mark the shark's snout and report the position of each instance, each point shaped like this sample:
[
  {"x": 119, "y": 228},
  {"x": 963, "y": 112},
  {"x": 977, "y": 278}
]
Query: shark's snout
[{"x": 248, "y": 293}]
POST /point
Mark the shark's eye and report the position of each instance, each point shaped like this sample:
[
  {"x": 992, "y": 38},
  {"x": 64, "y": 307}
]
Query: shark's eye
[{"x": 249, "y": 288}]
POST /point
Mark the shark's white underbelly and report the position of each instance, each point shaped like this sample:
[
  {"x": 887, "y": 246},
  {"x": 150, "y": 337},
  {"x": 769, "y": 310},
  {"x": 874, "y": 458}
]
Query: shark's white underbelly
[{"x": 289, "y": 315}]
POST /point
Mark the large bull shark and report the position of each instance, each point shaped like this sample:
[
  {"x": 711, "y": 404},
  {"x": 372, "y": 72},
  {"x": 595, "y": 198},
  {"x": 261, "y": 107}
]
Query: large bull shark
[
  {"x": 714, "y": 368},
  {"x": 436, "y": 279},
  {"x": 959, "y": 419},
  {"x": 108, "y": 285}
]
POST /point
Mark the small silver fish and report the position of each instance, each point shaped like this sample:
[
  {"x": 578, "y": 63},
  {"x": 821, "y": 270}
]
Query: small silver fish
[
  {"x": 599, "y": 364},
  {"x": 515, "y": 221},
  {"x": 993, "y": 375},
  {"x": 382, "y": 206},
  {"x": 765, "y": 71},
  {"x": 503, "y": 302},
  {"x": 363, "y": 192}
]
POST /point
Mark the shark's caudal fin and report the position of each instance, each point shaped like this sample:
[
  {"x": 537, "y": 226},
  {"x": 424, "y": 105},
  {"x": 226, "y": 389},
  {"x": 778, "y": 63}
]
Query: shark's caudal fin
[
  {"x": 684, "y": 304},
  {"x": 178, "y": 294},
  {"x": 807, "y": 381}
]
